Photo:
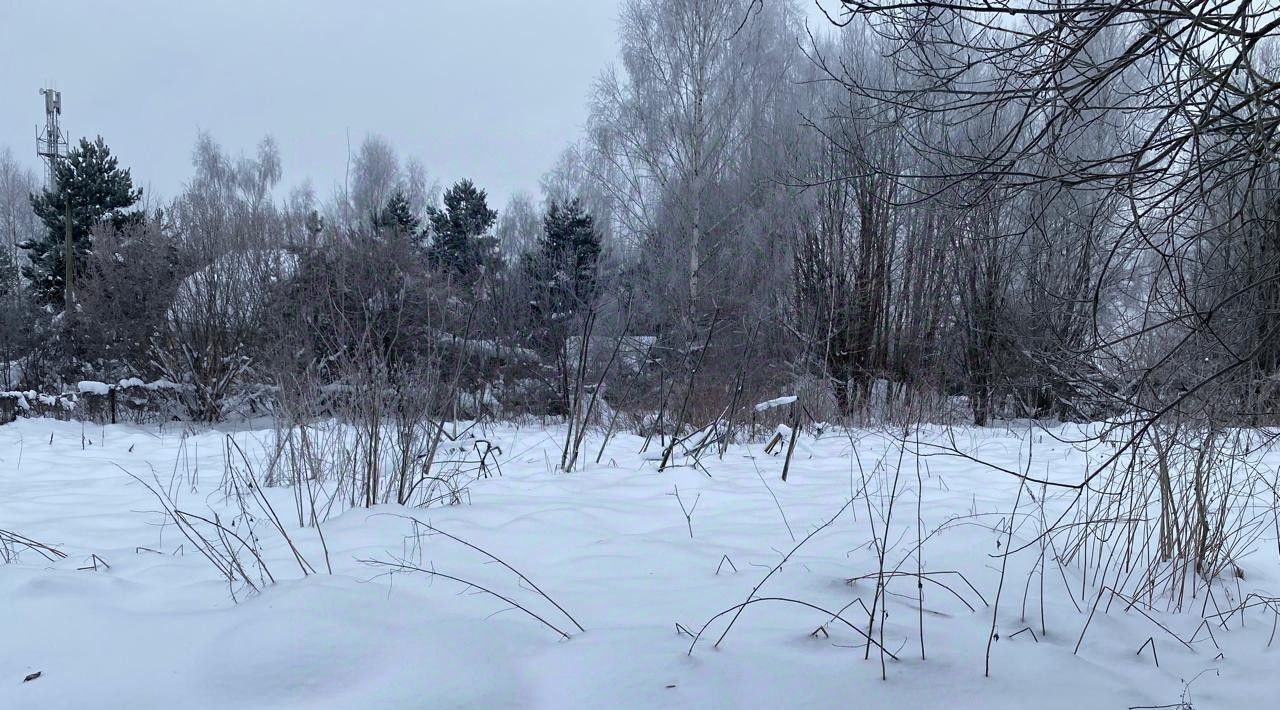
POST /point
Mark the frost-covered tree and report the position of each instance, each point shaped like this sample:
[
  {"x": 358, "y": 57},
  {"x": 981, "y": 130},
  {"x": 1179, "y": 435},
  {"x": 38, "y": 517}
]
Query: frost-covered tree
[
  {"x": 519, "y": 226},
  {"x": 9, "y": 282},
  {"x": 127, "y": 288},
  {"x": 374, "y": 177},
  {"x": 684, "y": 136},
  {"x": 231, "y": 240},
  {"x": 18, "y": 221}
]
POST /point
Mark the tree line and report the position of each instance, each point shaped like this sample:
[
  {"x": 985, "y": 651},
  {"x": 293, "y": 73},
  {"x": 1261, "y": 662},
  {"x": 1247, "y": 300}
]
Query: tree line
[{"x": 1058, "y": 211}]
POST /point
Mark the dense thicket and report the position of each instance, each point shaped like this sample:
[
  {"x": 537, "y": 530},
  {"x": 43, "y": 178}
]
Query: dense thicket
[{"x": 919, "y": 206}]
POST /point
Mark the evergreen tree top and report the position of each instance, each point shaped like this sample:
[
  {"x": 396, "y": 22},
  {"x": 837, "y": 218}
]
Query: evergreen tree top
[
  {"x": 397, "y": 216},
  {"x": 568, "y": 227},
  {"x": 90, "y": 183},
  {"x": 93, "y": 179},
  {"x": 466, "y": 212},
  {"x": 460, "y": 241}
]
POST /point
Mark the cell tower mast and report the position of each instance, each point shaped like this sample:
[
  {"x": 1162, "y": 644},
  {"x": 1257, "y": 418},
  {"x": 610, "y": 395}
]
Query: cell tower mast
[{"x": 52, "y": 147}]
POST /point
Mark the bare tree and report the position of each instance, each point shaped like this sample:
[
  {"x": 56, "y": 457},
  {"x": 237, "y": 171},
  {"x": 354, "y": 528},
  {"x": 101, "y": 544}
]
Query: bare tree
[
  {"x": 519, "y": 224},
  {"x": 374, "y": 174},
  {"x": 1123, "y": 182},
  {"x": 671, "y": 133},
  {"x": 231, "y": 244},
  {"x": 18, "y": 222}
]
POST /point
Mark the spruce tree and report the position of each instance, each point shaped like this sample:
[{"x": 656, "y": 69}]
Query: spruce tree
[
  {"x": 461, "y": 243},
  {"x": 564, "y": 266},
  {"x": 397, "y": 216},
  {"x": 91, "y": 181}
]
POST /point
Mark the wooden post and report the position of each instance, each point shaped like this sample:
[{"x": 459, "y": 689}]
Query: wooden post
[
  {"x": 68, "y": 257},
  {"x": 791, "y": 445}
]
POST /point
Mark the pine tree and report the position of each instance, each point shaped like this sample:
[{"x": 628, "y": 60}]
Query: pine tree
[
  {"x": 564, "y": 266},
  {"x": 461, "y": 243},
  {"x": 397, "y": 216},
  {"x": 97, "y": 189}
]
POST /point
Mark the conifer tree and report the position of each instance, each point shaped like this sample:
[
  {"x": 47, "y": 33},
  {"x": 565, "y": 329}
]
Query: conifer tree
[
  {"x": 92, "y": 185},
  {"x": 398, "y": 217},
  {"x": 564, "y": 265},
  {"x": 461, "y": 242}
]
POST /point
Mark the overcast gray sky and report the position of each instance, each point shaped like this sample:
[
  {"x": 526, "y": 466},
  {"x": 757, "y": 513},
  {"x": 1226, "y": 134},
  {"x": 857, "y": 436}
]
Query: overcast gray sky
[
  {"x": 491, "y": 90},
  {"x": 487, "y": 89}
]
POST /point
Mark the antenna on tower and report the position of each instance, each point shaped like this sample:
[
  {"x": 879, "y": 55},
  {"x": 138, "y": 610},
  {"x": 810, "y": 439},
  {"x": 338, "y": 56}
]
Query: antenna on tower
[{"x": 52, "y": 145}]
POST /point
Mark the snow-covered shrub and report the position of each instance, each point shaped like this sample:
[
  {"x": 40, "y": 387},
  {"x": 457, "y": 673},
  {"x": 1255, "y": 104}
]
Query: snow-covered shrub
[{"x": 208, "y": 332}]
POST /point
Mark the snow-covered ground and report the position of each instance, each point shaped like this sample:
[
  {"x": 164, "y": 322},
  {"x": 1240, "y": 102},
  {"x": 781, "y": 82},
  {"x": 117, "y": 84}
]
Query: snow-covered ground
[{"x": 134, "y": 617}]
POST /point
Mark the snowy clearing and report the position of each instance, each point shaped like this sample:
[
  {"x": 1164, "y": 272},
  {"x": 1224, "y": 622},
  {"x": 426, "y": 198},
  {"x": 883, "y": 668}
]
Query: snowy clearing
[{"x": 134, "y": 617}]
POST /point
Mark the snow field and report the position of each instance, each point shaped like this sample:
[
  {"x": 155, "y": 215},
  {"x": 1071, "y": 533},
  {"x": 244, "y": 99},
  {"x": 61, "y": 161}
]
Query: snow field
[{"x": 150, "y": 623}]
